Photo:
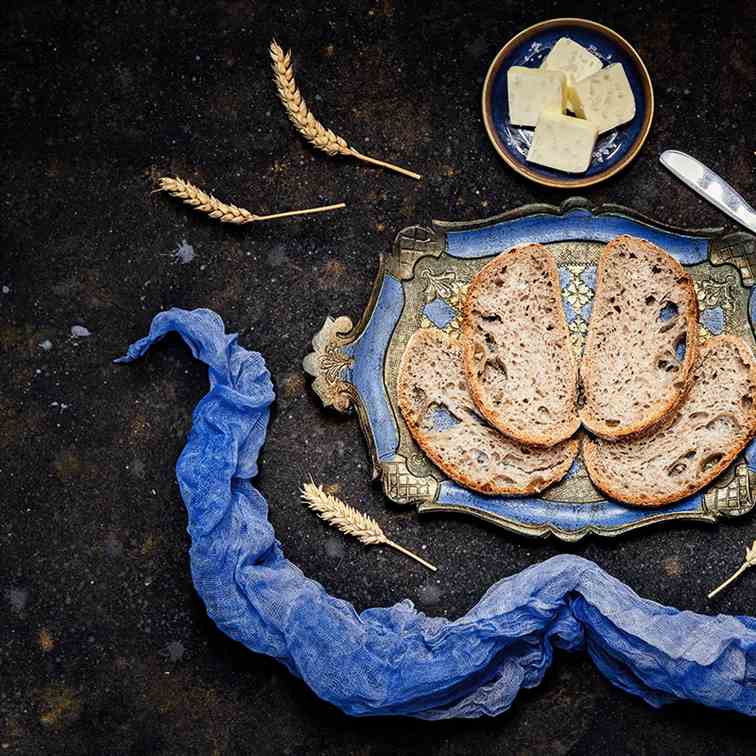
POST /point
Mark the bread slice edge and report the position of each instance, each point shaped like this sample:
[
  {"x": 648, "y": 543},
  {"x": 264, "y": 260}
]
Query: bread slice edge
[
  {"x": 590, "y": 447},
  {"x": 568, "y": 429},
  {"x": 634, "y": 430},
  {"x": 459, "y": 477}
]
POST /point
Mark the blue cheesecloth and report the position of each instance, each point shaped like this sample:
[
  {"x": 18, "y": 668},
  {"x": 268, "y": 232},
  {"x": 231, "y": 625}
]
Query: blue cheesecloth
[{"x": 396, "y": 660}]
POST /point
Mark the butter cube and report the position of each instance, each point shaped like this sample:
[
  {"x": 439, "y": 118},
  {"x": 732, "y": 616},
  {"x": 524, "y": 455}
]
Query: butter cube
[
  {"x": 605, "y": 98},
  {"x": 532, "y": 90},
  {"x": 574, "y": 61},
  {"x": 563, "y": 142}
]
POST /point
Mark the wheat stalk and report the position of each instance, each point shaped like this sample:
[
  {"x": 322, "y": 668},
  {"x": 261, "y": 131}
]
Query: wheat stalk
[
  {"x": 750, "y": 561},
  {"x": 306, "y": 123},
  {"x": 225, "y": 213},
  {"x": 350, "y": 521}
]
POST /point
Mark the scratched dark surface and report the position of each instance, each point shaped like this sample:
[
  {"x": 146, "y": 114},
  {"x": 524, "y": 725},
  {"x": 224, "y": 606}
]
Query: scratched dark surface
[{"x": 104, "y": 646}]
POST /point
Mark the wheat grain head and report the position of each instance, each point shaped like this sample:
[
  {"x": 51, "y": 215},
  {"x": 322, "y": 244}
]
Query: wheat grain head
[
  {"x": 224, "y": 212},
  {"x": 306, "y": 123},
  {"x": 299, "y": 114},
  {"x": 206, "y": 203},
  {"x": 335, "y": 512},
  {"x": 751, "y": 555}
]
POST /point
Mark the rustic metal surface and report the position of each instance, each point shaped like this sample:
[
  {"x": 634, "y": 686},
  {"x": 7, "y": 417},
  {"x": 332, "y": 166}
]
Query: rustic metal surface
[{"x": 104, "y": 646}]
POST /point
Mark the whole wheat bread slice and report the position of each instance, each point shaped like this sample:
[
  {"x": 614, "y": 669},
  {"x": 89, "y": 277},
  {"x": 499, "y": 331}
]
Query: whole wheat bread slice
[
  {"x": 436, "y": 405},
  {"x": 713, "y": 424},
  {"x": 519, "y": 363},
  {"x": 641, "y": 343}
]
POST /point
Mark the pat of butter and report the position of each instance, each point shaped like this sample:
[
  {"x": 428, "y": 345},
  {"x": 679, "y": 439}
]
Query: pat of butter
[
  {"x": 574, "y": 61},
  {"x": 563, "y": 142},
  {"x": 605, "y": 98},
  {"x": 532, "y": 90}
]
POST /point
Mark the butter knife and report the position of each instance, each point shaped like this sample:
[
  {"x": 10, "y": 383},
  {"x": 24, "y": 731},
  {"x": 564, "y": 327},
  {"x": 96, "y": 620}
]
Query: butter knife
[{"x": 710, "y": 186}]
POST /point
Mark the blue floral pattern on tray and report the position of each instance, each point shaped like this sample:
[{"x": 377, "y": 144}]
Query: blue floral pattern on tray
[{"x": 439, "y": 312}]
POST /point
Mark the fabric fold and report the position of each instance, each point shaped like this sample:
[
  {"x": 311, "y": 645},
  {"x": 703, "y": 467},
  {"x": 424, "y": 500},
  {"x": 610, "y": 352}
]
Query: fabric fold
[{"x": 396, "y": 660}]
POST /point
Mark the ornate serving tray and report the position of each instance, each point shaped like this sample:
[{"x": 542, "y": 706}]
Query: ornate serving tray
[{"x": 421, "y": 284}]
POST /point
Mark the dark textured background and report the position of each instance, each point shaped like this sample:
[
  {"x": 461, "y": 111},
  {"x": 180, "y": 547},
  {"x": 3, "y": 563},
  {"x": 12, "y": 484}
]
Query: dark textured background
[{"x": 104, "y": 646}]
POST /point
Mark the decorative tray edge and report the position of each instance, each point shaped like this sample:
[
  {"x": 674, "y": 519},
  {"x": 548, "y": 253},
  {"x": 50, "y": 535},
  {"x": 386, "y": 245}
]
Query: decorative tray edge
[{"x": 333, "y": 359}]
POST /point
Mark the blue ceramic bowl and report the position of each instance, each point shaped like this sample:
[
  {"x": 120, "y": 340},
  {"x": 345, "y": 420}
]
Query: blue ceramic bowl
[{"x": 614, "y": 149}]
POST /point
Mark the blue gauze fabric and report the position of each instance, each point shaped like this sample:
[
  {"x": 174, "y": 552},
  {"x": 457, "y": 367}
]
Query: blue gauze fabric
[{"x": 396, "y": 660}]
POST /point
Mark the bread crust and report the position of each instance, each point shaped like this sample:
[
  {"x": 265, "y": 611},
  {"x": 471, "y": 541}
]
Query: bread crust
[
  {"x": 431, "y": 336},
  {"x": 591, "y": 448},
  {"x": 596, "y": 425},
  {"x": 565, "y": 429}
]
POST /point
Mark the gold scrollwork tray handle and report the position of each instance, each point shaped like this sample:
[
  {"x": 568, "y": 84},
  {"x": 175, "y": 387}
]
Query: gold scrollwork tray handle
[{"x": 330, "y": 366}]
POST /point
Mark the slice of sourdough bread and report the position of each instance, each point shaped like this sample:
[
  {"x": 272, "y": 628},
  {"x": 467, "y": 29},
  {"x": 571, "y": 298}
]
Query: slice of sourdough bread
[
  {"x": 713, "y": 424},
  {"x": 642, "y": 339},
  {"x": 436, "y": 405},
  {"x": 519, "y": 363}
]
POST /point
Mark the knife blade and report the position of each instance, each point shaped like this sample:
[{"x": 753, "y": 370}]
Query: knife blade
[{"x": 710, "y": 186}]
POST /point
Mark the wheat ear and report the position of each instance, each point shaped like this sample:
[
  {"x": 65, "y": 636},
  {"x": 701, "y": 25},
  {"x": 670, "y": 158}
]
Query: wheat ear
[
  {"x": 225, "y": 213},
  {"x": 306, "y": 123},
  {"x": 750, "y": 561},
  {"x": 350, "y": 521}
]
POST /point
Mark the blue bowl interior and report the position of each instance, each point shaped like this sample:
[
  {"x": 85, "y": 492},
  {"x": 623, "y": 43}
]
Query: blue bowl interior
[{"x": 612, "y": 146}]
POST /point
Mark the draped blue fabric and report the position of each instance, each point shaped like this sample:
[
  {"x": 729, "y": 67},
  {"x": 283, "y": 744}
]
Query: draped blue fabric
[{"x": 397, "y": 660}]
